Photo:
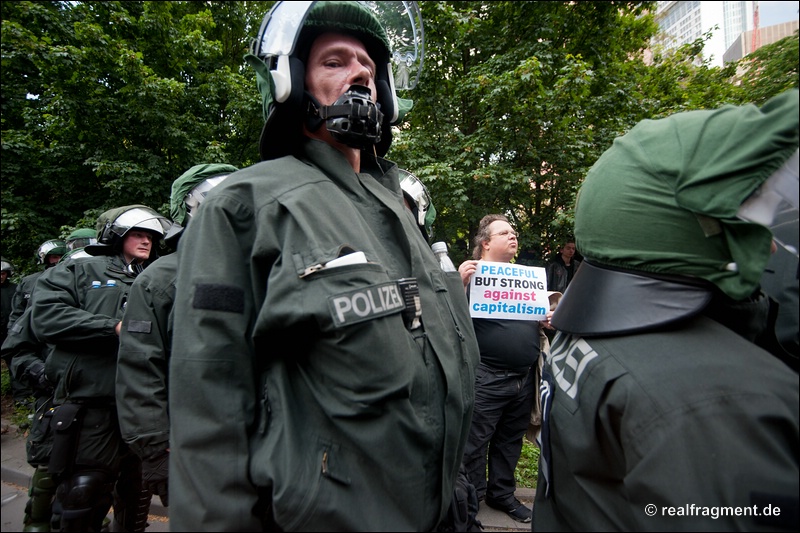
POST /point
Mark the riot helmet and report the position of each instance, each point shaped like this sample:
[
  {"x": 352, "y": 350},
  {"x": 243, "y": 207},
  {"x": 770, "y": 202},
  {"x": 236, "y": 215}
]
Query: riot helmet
[
  {"x": 419, "y": 201},
  {"x": 80, "y": 238},
  {"x": 391, "y": 32},
  {"x": 6, "y": 270},
  {"x": 682, "y": 210},
  {"x": 191, "y": 188},
  {"x": 74, "y": 254},
  {"x": 52, "y": 247},
  {"x": 114, "y": 224}
]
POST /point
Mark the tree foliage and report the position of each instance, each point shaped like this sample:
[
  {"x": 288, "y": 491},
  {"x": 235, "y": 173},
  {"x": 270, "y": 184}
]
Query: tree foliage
[
  {"x": 517, "y": 101},
  {"x": 106, "y": 103},
  {"x": 771, "y": 70}
]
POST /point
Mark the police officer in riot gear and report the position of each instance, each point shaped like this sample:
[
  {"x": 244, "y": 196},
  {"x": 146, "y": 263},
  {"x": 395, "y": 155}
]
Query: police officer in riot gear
[
  {"x": 145, "y": 340},
  {"x": 323, "y": 338},
  {"x": 658, "y": 380},
  {"x": 48, "y": 254},
  {"x": 78, "y": 310}
]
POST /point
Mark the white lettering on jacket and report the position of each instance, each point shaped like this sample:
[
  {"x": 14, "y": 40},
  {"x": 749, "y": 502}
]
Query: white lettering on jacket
[{"x": 365, "y": 304}]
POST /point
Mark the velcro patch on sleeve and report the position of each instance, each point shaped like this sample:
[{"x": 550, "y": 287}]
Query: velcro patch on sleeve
[
  {"x": 140, "y": 326},
  {"x": 219, "y": 297}
]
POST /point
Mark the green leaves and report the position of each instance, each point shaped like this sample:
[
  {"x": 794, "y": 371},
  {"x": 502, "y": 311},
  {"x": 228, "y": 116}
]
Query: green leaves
[{"x": 106, "y": 103}]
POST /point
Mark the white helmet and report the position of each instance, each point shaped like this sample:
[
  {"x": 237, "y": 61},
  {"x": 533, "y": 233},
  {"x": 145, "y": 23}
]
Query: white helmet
[
  {"x": 50, "y": 247},
  {"x": 141, "y": 219},
  {"x": 114, "y": 224}
]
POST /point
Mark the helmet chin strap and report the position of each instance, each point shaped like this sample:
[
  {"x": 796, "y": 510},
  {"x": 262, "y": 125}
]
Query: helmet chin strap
[
  {"x": 134, "y": 268},
  {"x": 353, "y": 119}
]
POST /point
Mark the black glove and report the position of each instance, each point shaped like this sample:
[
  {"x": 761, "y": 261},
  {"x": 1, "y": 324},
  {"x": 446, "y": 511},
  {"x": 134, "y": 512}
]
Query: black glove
[
  {"x": 38, "y": 380},
  {"x": 155, "y": 472},
  {"x": 462, "y": 515}
]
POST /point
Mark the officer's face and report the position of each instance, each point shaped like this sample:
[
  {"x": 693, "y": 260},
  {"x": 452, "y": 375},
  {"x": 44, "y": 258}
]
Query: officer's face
[
  {"x": 137, "y": 246},
  {"x": 336, "y": 62}
]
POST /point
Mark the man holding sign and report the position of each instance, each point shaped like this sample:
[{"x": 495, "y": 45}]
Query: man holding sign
[{"x": 508, "y": 303}]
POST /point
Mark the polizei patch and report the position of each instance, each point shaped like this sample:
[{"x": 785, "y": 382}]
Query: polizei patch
[{"x": 365, "y": 304}]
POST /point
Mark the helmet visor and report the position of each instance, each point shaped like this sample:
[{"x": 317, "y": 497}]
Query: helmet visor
[
  {"x": 403, "y": 24},
  {"x": 283, "y": 22},
  {"x": 82, "y": 242},
  {"x": 53, "y": 247},
  {"x": 142, "y": 219},
  {"x": 197, "y": 195},
  {"x": 401, "y": 20},
  {"x": 775, "y": 205}
]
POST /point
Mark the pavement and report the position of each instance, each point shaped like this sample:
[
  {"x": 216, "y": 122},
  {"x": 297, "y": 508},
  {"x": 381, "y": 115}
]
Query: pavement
[{"x": 16, "y": 476}]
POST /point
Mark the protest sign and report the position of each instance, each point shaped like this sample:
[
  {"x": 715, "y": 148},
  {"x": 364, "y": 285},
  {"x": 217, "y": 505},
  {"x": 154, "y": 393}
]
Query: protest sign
[{"x": 508, "y": 291}]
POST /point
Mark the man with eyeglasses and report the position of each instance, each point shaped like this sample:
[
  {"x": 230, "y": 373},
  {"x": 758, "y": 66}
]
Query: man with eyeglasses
[{"x": 505, "y": 387}]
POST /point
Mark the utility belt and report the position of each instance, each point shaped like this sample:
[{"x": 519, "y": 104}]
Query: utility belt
[
  {"x": 66, "y": 422},
  {"x": 39, "y": 443},
  {"x": 505, "y": 373}
]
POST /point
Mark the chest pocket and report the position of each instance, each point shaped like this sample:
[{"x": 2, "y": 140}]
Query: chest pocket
[
  {"x": 109, "y": 300},
  {"x": 339, "y": 296},
  {"x": 347, "y": 295}
]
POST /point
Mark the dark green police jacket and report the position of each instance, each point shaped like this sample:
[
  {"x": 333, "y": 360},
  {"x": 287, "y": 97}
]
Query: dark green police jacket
[
  {"x": 676, "y": 424},
  {"x": 22, "y": 348},
  {"x": 22, "y": 296},
  {"x": 143, "y": 362},
  {"x": 76, "y": 309},
  {"x": 299, "y": 385}
]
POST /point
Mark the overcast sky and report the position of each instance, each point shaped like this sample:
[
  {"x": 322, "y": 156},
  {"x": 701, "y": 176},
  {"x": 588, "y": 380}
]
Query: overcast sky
[{"x": 770, "y": 13}]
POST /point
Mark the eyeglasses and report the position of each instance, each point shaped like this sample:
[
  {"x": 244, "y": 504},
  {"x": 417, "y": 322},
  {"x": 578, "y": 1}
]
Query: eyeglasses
[{"x": 506, "y": 233}]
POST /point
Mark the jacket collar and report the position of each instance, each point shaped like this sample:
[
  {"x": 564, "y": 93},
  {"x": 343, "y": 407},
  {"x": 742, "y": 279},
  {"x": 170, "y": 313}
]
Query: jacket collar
[{"x": 603, "y": 301}]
